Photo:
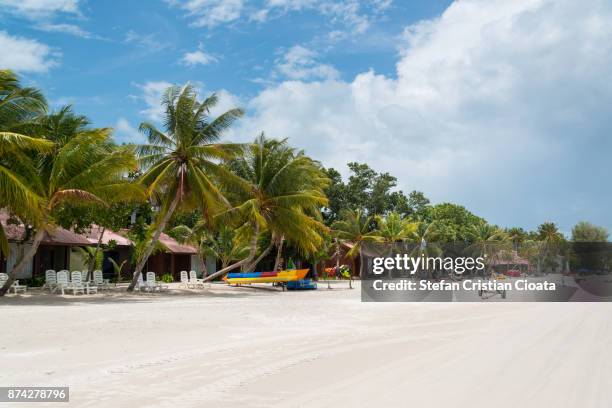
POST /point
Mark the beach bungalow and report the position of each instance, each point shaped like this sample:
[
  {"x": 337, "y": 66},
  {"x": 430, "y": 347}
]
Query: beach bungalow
[
  {"x": 58, "y": 250},
  {"x": 510, "y": 260},
  {"x": 173, "y": 259},
  {"x": 116, "y": 247}
]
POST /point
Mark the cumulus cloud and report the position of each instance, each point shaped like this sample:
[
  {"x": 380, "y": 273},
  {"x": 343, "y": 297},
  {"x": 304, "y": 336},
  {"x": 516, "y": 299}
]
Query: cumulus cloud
[
  {"x": 197, "y": 57},
  {"x": 502, "y": 106},
  {"x": 299, "y": 63},
  {"x": 26, "y": 55},
  {"x": 151, "y": 95}
]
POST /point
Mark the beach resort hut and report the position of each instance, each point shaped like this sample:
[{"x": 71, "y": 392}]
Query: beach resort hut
[
  {"x": 116, "y": 247},
  {"x": 173, "y": 259},
  {"x": 57, "y": 250}
]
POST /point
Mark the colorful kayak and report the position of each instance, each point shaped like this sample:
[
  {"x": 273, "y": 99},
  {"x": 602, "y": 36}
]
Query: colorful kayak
[{"x": 265, "y": 277}]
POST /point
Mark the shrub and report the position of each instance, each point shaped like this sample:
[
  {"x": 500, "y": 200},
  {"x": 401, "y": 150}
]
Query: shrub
[{"x": 167, "y": 278}]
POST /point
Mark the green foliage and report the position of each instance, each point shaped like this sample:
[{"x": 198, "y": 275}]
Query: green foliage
[
  {"x": 167, "y": 278},
  {"x": 354, "y": 228},
  {"x": 89, "y": 253},
  {"x": 280, "y": 191},
  {"x": 117, "y": 268},
  {"x": 367, "y": 190},
  {"x": 587, "y": 232},
  {"x": 453, "y": 223},
  {"x": 393, "y": 228}
]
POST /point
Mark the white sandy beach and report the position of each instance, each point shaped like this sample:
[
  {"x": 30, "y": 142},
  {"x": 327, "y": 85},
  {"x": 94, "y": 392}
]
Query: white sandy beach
[{"x": 245, "y": 347}]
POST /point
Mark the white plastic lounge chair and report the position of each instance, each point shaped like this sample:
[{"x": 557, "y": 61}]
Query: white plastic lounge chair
[
  {"x": 76, "y": 283},
  {"x": 15, "y": 286},
  {"x": 50, "y": 280},
  {"x": 184, "y": 280},
  {"x": 152, "y": 284},
  {"x": 141, "y": 285},
  {"x": 67, "y": 274},
  {"x": 62, "y": 281},
  {"x": 194, "y": 281},
  {"x": 99, "y": 281}
]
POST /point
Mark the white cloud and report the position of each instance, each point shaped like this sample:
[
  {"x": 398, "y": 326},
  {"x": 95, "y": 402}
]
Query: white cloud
[
  {"x": 126, "y": 133},
  {"x": 40, "y": 9},
  {"x": 25, "y": 55},
  {"x": 197, "y": 57},
  {"x": 210, "y": 13},
  {"x": 152, "y": 93},
  {"x": 299, "y": 63},
  {"x": 354, "y": 16},
  {"x": 499, "y": 105},
  {"x": 67, "y": 29},
  {"x": 148, "y": 42}
]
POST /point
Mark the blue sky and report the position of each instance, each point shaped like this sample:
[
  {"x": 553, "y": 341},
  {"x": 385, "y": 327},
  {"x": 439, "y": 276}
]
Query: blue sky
[
  {"x": 501, "y": 106},
  {"x": 101, "y": 53}
]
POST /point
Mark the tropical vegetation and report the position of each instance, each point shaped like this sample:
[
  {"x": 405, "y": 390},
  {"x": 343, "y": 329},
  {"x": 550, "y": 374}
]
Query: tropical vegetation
[{"x": 245, "y": 205}]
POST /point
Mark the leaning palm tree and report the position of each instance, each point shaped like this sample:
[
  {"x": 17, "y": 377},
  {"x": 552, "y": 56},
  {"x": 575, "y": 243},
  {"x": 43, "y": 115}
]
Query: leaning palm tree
[
  {"x": 182, "y": 164},
  {"x": 280, "y": 192},
  {"x": 353, "y": 228},
  {"x": 18, "y": 106},
  {"x": 86, "y": 168}
]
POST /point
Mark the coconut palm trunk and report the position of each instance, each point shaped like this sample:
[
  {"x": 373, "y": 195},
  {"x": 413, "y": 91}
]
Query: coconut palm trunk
[
  {"x": 265, "y": 253},
  {"x": 279, "y": 253},
  {"x": 156, "y": 235},
  {"x": 27, "y": 257},
  {"x": 92, "y": 261}
]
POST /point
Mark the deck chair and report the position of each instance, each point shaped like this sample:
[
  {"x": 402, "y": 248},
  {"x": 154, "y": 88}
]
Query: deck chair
[
  {"x": 77, "y": 285},
  {"x": 84, "y": 277},
  {"x": 50, "y": 280},
  {"x": 184, "y": 280},
  {"x": 141, "y": 285},
  {"x": 194, "y": 281},
  {"x": 62, "y": 282},
  {"x": 153, "y": 285},
  {"x": 15, "y": 286},
  {"x": 99, "y": 281}
]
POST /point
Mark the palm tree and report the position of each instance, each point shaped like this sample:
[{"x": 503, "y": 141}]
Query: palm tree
[
  {"x": 517, "y": 236},
  {"x": 182, "y": 165},
  {"x": 18, "y": 106},
  {"x": 354, "y": 228},
  {"x": 426, "y": 236},
  {"x": 281, "y": 191},
  {"x": 488, "y": 241},
  {"x": 87, "y": 168},
  {"x": 393, "y": 228},
  {"x": 552, "y": 240}
]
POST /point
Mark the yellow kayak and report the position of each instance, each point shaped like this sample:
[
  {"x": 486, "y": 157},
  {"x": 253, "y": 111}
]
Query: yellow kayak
[{"x": 266, "y": 277}]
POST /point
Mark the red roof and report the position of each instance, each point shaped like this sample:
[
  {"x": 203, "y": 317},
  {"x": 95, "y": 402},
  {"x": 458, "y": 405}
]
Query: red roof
[
  {"x": 93, "y": 235},
  {"x": 57, "y": 236},
  {"x": 61, "y": 236}
]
